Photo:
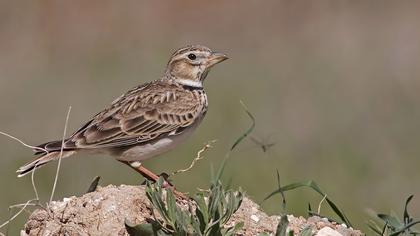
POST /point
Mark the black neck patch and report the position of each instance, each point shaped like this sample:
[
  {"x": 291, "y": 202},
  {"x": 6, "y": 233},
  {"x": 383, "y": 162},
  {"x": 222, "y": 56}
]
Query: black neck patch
[{"x": 191, "y": 88}]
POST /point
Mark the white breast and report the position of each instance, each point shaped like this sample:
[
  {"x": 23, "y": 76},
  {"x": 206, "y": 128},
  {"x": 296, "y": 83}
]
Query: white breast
[{"x": 143, "y": 152}]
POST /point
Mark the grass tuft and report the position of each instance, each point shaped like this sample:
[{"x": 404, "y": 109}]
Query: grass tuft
[
  {"x": 207, "y": 214},
  {"x": 393, "y": 226}
]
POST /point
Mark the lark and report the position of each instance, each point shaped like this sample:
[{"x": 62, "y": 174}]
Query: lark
[{"x": 145, "y": 122}]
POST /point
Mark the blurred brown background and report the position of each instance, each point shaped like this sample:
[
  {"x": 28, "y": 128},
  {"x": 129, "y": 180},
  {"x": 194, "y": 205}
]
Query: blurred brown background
[{"x": 335, "y": 84}]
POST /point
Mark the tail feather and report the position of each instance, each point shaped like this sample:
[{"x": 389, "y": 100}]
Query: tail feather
[
  {"x": 42, "y": 160},
  {"x": 53, "y": 146}
]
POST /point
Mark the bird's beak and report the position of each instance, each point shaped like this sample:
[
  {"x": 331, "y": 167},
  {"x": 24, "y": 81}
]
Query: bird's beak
[{"x": 215, "y": 58}]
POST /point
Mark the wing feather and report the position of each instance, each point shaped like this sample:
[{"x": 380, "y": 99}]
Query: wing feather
[{"x": 142, "y": 115}]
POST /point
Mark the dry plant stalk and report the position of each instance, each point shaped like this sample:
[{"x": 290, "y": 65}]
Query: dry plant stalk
[
  {"x": 198, "y": 157},
  {"x": 23, "y": 143},
  {"x": 61, "y": 154},
  {"x": 35, "y": 202},
  {"x": 320, "y": 204},
  {"x": 29, "y": 202}
]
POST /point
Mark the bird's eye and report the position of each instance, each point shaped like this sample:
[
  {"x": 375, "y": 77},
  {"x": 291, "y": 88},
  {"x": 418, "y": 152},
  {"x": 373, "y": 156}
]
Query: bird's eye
[{"x": 192, "y": 56}]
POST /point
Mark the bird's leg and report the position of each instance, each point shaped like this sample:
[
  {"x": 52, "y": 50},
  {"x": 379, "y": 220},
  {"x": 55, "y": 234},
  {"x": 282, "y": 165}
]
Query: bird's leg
[{"x": 137, "y": 166}]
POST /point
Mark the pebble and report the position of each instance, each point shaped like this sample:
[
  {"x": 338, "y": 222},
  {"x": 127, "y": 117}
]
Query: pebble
[
  {"x": 255, "y": 218},
  {"x": 327, "y": 231},
  {"x": 66, "y": 199}
]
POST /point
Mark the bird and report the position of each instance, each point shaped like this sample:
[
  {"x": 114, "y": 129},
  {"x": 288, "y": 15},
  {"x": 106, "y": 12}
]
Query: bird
[{"x": 147, "y": 120}]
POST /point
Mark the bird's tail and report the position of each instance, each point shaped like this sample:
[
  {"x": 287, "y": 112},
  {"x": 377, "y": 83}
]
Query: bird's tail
[{"x": 53, "y": 152}]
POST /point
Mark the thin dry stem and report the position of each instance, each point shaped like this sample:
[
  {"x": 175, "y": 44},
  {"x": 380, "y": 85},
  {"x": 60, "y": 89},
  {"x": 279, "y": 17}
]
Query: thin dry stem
[
  {"x": 32, "y": 147},
  {"x": 320, "y": 204},
  {"x": 23, "y": 143},
  {"x": 61, "y": 154},
  {"x": 29, "y": 202},
  {"x": 199, "y": 157},
  {"x": 33, "y": 182},
  {"x": 23, "y": 206},
  {"x": 17, "y": 213},
  {"x": 203, "y": 190}
]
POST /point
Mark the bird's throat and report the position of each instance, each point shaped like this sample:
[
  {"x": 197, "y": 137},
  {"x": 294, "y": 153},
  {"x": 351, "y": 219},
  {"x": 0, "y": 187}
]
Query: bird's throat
[{"x": 190, "y": 83}]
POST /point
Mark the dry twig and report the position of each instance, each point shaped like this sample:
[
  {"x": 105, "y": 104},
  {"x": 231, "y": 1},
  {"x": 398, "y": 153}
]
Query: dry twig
[{"x": 199, "y": 157}]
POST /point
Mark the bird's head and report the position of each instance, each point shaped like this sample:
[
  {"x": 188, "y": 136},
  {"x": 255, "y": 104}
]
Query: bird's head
[{"x": 190, "y": 65}]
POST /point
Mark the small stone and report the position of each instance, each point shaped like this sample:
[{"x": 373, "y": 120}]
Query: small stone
[
  {"x": 255, "y": 218},
  {"x": 327, "y": 231},
  {"x": 67, "y": 199}
]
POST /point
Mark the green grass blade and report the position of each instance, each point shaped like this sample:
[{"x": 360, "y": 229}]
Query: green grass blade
[
  {"x": 281, "y": 192},
  {"x": 94, "y": 185},
  {"x": 233, "y": 203},
  {"x": 407, "y": 218},
  {"x": 311, "y": 184},
  {"x": 214, "y": 200},
  {"x": 374, "y": 228},
  {"x": 182, "y": 222},
  {"x": 195, "y": 224},
  {"x": 286, "y": 188},
  {"x": 171, "y": 205},
  {"x": 282, "y": 226},
  {"x": 154, "y": 194},
  {"x": 200, "y": 221},
  {"x": 307, "y": 231},
  {"x": 233, "y": 229},
  {"x": 248, "y": 131},
  {"x": 309, "y": 209},
  {"x": 337, "y": 211},
  {"x": 201, "y": 210},
  {"x": 144, "y": 229},
  {"x": 392, "y": 221},
  {"x": 217, "y": 178}
]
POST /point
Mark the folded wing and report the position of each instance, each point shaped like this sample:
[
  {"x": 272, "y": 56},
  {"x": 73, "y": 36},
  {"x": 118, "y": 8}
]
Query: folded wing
[{"x": 143, "y": 115}]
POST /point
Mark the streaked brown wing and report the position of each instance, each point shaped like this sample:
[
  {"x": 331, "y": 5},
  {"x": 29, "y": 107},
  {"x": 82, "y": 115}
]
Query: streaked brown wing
[{"x": 144, "y": 114}]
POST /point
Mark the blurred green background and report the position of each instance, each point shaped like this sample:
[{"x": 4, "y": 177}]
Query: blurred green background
[{"x": 334, "y": 84}]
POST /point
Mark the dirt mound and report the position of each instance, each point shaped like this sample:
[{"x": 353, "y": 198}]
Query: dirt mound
[{"x": 104, "y": 212}]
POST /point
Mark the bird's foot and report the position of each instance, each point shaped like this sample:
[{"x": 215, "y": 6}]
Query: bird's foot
[
  {"x": 167, "y": 184},
  {"x": 154, "y": 178}
]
